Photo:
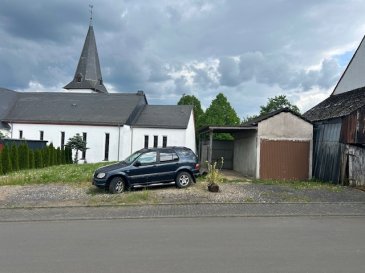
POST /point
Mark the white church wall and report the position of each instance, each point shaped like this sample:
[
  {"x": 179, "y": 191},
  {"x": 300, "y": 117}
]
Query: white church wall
[
  {"x": 96, "y": 136},
  {"x": 175, "y": 137}
]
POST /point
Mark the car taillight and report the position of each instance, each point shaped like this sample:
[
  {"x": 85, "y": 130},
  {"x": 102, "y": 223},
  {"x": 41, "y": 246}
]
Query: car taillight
[{"x": 197, "y": 166}]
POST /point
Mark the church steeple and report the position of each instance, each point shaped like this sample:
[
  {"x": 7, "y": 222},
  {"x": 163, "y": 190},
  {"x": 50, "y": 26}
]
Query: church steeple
[{"x": 88, "y": 72}]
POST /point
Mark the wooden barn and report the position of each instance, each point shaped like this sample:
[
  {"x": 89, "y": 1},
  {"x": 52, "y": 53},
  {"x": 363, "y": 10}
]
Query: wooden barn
[{"x": 339, "y": 132}]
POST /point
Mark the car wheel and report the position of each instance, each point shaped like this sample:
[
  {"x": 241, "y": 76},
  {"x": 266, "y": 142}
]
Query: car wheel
[
  {"x": 183, "y": 180},
  {"x": 117, "y": 185}
]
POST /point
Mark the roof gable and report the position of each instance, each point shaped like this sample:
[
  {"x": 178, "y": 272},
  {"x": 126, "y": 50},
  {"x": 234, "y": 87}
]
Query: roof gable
[
  {"x": 255, "y": 121},
  {"x": 354, "y": 75}
]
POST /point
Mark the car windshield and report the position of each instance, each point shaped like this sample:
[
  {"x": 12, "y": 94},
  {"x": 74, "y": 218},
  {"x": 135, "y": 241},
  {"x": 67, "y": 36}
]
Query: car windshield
[{"x": 132, "y": 157}]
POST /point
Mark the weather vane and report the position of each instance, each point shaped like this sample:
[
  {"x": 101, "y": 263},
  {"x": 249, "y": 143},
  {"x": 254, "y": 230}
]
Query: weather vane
[{"x": 91, "y": 14}]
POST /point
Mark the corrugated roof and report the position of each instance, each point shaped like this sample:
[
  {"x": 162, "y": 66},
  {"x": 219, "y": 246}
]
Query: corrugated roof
[
  {"x": 164, "y": 116},
  {"x": 73, "y": 108},
  {"x": 337, "y": 105}
]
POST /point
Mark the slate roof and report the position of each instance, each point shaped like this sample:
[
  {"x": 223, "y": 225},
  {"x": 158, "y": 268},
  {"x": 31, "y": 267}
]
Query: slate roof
[
  {"x": 73, "y": 108},
  {"x": 337, "y": 106},
  {"x": 164, "y": 116},
  {"x": 88, "y": 72},
  {"x": 7, "y": 99},
  {"x": 255, "y": 121}
]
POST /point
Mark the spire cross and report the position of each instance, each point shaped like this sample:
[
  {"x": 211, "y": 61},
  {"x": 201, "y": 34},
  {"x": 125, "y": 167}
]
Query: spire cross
[{"x": 91, "y": 14}]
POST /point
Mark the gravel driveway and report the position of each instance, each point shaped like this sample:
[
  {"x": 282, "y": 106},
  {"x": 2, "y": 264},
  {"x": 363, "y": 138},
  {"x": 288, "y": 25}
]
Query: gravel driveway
[{"x": 231, "y": 192}]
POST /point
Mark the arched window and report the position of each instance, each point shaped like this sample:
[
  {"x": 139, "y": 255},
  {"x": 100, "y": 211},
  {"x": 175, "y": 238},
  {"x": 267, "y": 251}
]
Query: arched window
[{"x": 79, "y": 77}]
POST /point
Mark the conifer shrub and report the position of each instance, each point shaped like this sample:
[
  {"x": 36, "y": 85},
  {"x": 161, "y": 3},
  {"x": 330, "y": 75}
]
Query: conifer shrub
[
  {"x": 23, "y": 156},
  {"x": 6, "y": 160},
  {"x": 38, "y": 159},
  {"x": 14, "y": 157},
  {"x": 31, "y": 159},
  {"x": 1, "y": 165}
]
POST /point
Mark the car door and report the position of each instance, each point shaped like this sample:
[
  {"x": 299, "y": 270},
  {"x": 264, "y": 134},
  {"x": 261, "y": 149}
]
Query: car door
[
  {"x": 167, "y": 166},
  {"x": 143, "y": 169}
]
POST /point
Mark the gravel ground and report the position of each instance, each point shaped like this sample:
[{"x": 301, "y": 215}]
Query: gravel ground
[{"x": 231, "y": 192}]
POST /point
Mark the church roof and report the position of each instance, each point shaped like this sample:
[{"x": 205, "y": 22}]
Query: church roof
[
  {"x": 337, "y": 106},
  {"x": 73, "y": 108},
  {"x": 88, "y": 72},
  {"x": 7, "y": 99},
  {"x": 164, "y": 116}
]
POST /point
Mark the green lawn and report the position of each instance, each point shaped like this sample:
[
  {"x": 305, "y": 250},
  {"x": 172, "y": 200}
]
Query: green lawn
[{"x": 74, "y": 173}]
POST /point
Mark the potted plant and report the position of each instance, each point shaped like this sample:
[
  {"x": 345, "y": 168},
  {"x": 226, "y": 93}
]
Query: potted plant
[{"x": 214, "y": 176}]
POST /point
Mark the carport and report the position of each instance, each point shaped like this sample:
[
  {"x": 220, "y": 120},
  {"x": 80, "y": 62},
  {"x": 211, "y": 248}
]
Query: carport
[{"x": 273, "y": 146}]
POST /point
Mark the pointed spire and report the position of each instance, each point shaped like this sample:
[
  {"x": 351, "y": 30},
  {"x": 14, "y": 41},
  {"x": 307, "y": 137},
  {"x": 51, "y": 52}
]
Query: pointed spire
[{"x": 88, "y": 72}]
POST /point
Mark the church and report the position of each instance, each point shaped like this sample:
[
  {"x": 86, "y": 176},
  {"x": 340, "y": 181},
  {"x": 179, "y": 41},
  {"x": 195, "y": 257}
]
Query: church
[{"x": 113, "y": 125}]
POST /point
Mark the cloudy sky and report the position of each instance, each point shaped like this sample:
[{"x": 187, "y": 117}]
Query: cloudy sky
[{"x": 249, "y": 50}]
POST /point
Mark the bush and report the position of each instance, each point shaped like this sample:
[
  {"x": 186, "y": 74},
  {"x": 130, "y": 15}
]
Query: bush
[
  {"x": 38, "y": 159},
  {"x": 1, "y": 165},
  {"x": 31, "y": 159},
  {"x": 214, "y": 175},
  {"x": 23, "y": 156},
  {"x": 14, "y": 157},
  {"x": 6, "y": 160}
]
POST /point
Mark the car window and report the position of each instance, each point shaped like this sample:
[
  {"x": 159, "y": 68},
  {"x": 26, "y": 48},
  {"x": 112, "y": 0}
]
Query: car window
[
  {"x": 148, "y": 158},
  {"x": 168, "y": 156},
  {"x": 132, "y": 157}
]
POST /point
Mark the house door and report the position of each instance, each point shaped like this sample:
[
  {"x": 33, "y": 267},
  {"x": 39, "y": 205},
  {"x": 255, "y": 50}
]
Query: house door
[{"x": 284, "y": 159}]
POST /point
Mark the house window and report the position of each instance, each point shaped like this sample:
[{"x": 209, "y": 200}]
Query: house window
[
  {"x": 155, "y": 141},
  {"x": 62, "y": 140},
  {"x": 164, "y": 141},
  {"x": 84, "y": 137},
  {"x": 41, "y": 135},
  {"x": 20, "y": 134},
  {"x": 106, "y": 152},
  {"x": 146, "y": 141}
]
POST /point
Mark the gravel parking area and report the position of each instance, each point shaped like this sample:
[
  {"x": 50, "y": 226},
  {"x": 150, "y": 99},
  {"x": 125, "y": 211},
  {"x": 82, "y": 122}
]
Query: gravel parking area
[{"x": 230, "y": 192}]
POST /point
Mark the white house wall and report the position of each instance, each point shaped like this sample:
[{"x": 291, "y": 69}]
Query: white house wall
[
  {"x": 95, "y": 138},
  {"x": 190, "y": 140},
  {"x": 284, "y": 126}
]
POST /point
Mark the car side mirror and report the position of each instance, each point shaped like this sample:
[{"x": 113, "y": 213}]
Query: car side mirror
[{"x": 137, "y": 163}]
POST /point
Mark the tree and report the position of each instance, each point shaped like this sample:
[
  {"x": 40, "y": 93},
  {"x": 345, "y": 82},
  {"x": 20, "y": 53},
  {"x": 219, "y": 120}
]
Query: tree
[
  {"x": 198, "y": 111},
  {"x": 14, "y": 157},
  {"x": 277, "y": 103},
  {"x": 1, "y": 165},
  {"x": 78, "y": 144},
  {"x": 6, "y": 160},
  {"x": 220, "y": 112},
  {"x": 23, "y": 156},
  {"x": 38, "y": 159}
]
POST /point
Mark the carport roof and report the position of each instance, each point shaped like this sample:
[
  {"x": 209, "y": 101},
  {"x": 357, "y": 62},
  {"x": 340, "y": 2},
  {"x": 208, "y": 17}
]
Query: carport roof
[{"x": 226, "y": 129}]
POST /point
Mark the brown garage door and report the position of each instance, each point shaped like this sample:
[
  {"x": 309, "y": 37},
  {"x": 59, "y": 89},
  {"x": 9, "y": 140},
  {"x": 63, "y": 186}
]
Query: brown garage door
[{"x": 284, "y": 159}]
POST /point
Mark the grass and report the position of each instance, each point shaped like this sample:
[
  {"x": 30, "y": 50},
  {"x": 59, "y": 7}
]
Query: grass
[
  {"x": 301, "y": 185},
  {"x": 74, "y": 173}
]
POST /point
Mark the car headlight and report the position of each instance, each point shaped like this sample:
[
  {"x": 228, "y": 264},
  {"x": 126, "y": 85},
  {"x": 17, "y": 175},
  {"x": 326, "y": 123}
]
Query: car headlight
[{"x": 100, "y": 175}]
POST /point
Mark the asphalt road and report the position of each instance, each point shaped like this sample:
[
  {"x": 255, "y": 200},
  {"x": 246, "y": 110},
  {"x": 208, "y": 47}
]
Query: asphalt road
[{"x": 173, "y": 245}]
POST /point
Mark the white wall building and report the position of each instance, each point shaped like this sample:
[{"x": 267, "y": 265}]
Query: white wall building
[{"x": 113, "y": 124}]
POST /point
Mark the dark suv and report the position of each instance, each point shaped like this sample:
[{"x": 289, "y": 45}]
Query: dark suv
[{"x": 149, "y": 166}]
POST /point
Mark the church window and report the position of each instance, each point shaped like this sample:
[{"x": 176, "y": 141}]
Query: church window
[
  {"x": 106, "y": 152},
  {"x": 62, "y": 140},
  {"x": 41, "y": 135},
  {"x": 155, "y": 141},
  {"x": 79, "y": 77},
  {"x": 164, "y": 141},
  {"x": 146, "y": 141},
  {"x": 20, "y": 134},
  {"x": 84, "y": 137}
]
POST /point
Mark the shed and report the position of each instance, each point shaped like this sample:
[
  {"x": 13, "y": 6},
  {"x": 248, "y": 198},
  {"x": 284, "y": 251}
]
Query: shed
[{"x": 273, "y": 146}]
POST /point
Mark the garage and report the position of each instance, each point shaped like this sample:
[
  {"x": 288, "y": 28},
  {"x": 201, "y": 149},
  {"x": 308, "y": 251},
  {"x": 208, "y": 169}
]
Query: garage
[{"x": 277, "y": 145}]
